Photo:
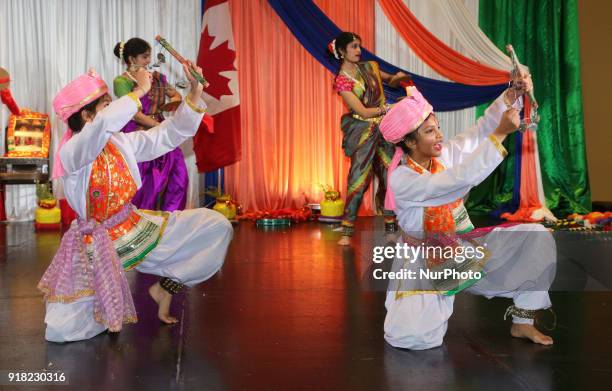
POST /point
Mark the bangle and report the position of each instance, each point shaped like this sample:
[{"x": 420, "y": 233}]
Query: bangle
[
  {"x": 135, "y": 99},
  {"x": 194, "y": 107}
]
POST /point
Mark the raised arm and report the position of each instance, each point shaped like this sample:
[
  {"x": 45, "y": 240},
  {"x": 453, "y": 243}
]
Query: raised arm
[
  {"x": 394, "y": 80},
  {"x": 460, "y": 146},
  {"x": 123, "y": 86},
  {"x": 413, "y": 189},
  {"x": 163, "y": 138},
  {"x": 357, "y": 107},
  {"x": 86, "y": 145},
  {"x": 150, "y": 144},
  {"x": 457, "y": 148}
]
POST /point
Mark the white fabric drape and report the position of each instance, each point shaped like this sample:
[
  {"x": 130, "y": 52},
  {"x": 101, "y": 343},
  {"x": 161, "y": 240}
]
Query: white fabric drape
[
  {"x": 464, "y": 27},
  {"x": 391, "y": 47},
  {"x": 45, "y": 44}
]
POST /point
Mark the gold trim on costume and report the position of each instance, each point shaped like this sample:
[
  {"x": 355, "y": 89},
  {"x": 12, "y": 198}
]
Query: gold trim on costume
[
  {"x": 87, "y": 99},
  {"x": 400, "y": 294},
  {"x": 162, "y": 213},
  {"x": 135, "y": 99},
  {"x": 194, "y": 107},
  {"x": 126, "y": 319},
  {"x": 502, "y": 150},
  {"x": 62, "y": 298},
  {"x": 376, "y": 120}
]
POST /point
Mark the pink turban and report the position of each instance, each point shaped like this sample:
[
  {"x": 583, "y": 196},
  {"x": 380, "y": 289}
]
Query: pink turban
[
  {"x": 78, "y": 93},
  {"x": 404, "y": 117}
]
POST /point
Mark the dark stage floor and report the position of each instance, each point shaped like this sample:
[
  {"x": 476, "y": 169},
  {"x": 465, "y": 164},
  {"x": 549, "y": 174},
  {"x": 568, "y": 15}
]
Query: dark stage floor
[{"x": 288, "y": 311}]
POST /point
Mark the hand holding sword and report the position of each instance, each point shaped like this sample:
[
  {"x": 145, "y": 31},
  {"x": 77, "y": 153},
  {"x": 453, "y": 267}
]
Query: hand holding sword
[{"x": 522, "y": 84}]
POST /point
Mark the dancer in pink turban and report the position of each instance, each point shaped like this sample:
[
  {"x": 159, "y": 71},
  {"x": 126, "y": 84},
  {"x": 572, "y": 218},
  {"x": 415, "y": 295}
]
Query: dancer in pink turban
[
  {"x": 428, "y": 179},
  {"x": 85, "y": 285}
]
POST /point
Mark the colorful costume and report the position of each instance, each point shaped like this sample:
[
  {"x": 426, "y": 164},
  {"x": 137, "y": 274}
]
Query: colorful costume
[
  {"x": 362, "y": 142},
  {"x": 165, "y": 179},
  {"x": 519, "y": 262},
  {"x": 85, "y": 286}
]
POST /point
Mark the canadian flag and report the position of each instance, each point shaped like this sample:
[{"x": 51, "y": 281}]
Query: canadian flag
[{"x": 217, "y": 57}]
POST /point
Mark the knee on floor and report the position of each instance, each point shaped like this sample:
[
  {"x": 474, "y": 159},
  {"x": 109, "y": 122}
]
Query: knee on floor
[{"x": 416, "y": 342}]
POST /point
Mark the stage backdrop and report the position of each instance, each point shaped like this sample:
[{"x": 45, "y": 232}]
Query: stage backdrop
[
  {"x": 545, "y": 36},
  {"x": 291, "y": 116},
  {"x": 291, "y": 121},
  {"x": 391, "y": 47}
]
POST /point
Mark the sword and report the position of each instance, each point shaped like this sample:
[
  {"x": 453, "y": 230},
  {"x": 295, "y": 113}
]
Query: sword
[
  {"x": 515, "y": 73},
  {"x": 181, "y": 59}
]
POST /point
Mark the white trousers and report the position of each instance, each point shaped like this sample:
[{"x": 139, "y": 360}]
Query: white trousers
[
  {"x": 521, "y": 267},
  {"x": 191, "y": 250}
]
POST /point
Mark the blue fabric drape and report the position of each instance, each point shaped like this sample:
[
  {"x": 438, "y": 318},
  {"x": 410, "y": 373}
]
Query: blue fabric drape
[{"x": 314, "y": 30}]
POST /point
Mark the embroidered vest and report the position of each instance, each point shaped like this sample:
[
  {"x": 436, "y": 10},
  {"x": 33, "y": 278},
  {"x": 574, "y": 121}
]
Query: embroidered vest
[{"x": 111, "y": 187}]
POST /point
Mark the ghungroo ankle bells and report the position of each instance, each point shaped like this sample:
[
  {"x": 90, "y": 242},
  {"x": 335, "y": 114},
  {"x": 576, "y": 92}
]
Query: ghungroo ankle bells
[
  {"x": 171, "y": 286},
  {"x": 519, "y": 312},
  {"x": 531, "y": 314}
]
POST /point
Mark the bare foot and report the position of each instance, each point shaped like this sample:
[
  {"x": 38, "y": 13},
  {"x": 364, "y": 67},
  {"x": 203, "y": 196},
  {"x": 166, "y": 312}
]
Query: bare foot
[
  {"x": 345, "y": 241},
  {"x": 529, "y": 331},
  {"x": 163, "y": 300}
]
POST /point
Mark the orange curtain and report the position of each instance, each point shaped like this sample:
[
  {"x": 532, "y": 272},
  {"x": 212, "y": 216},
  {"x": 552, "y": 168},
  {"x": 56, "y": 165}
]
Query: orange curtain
[
  {"x": 530, "y": 200},
  {"x": 290, "y": 116},
  {"x": 437, "y": 54}
]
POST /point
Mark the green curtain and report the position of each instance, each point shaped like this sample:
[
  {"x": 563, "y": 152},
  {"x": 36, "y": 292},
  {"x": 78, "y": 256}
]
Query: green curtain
[{"x": 545, "y": 36}]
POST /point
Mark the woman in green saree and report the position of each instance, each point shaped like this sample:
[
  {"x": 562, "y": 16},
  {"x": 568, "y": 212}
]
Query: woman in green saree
[{"x": 360, "y": 84}]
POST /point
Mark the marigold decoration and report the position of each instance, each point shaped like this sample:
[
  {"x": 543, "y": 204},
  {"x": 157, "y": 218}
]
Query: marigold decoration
[
  {"x": 594, "y": 221},
  {"x": 295, "y": 215}
]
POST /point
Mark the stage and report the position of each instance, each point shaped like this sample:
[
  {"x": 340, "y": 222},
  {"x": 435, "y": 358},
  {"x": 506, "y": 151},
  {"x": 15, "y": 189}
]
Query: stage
[{"x": 288, "y": 311}]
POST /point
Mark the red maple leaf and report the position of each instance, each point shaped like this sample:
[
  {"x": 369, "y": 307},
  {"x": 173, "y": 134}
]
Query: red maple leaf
[{"x": 213, "y": 62}]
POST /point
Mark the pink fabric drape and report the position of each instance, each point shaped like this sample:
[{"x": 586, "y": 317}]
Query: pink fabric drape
[
  {"x": 290, "y": 116},
  {"x": 435, "y": 53}
]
